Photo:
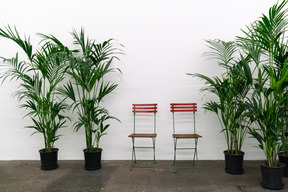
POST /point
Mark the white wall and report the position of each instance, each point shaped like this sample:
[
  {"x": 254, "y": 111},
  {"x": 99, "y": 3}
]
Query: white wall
[{"x": 163, "y": 39}]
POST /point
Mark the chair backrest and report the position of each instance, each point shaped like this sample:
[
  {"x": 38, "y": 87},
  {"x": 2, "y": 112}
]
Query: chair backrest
[
  {"x": 144, "y": 108},
  {"x": 183, "y": 107}
]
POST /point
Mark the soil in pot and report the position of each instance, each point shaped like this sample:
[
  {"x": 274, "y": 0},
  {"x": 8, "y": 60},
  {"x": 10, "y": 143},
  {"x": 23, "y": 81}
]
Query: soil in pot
[
  {"x": 272, "y": 177},
  {"x": 234, "y": 162},
  {"x": 49, "y": 159},
  {"x": 92, "y": 159},
  {"x": 284, "y": 159}
]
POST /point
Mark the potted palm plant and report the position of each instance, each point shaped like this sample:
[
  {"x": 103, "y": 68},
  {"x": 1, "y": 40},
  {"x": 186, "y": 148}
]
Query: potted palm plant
[
  {"x": 266, "y": 110},
  {"x": 231, "y": 88},
  {"x": 267, "y": 106},
  {"x": 39, "y": 77},
  {"x": 87, "y": 88}
]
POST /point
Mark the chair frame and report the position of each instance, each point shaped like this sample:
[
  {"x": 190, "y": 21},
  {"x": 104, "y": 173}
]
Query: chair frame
[
  {"x": 143, "y": 108},
  {"x": 185, "y": 107}
]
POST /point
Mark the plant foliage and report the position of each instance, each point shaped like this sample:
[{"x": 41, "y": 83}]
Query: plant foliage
[
  {"x": 231, "y": 88},
  {"x": 267, "y": 107},
  {"x": 39, "y": 77},
  {"x": 89, "y": 85}
]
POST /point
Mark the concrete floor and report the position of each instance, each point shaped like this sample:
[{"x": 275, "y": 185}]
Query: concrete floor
[{"x": 117, "y": 176}]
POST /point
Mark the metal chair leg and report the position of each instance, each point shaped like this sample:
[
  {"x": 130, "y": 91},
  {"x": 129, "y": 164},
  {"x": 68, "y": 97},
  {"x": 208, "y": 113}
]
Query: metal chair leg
[
  {"x": 195, "y": 153},
  {"x": 133, "y": 153},
  {"x": 153, "y": 140},
  {"x": 134, "y": 160},
  {"x": 175, "y": 148}
]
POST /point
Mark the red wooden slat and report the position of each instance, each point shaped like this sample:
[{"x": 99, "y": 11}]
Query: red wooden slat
[
  {"x": 135, "y": 111},
  {"x": 188, "y": 110},
  {"x": 183, "y": 103},
  {"x": 183, "y": 107},
  {"x": 193, "y": 107},
  {"x": 152, "y": 104},
  {"x": 144, "y": 108}
]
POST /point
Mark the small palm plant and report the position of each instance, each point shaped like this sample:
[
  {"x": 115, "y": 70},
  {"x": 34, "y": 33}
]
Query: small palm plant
[
  {"x": 231, "y": 89},
  {"x": 39, "y": 77},
  {"x": 89, "y": 85}
]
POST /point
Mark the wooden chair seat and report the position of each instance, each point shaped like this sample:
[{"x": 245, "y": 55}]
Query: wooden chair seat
[
  {"x": 184, "y": 136},
  {"x": 150, "y": 135}
]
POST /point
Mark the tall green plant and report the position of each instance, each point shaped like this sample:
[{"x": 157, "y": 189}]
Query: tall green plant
[
  {"x": 231, "y": 87},
  {"x": 39, "y": 77},
  {"x": 89, "y": 85},
  {"x": 266, "y": 109},
  {"x": 267, "y": 106}
]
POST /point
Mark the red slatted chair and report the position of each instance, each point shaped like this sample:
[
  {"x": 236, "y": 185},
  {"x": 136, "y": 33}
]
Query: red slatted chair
[
  {"x": 146, "y": 109},
  {"x": 185, "y": 108}
]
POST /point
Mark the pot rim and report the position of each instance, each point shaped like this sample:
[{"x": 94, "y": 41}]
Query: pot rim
[
  {"x": 99, "y": 150},
  {"x": 241, "y": 153},
  {"x": 281, "y": 153},
  {"x": 53, "y": 150},
  {"x": 263, "y": 164}
]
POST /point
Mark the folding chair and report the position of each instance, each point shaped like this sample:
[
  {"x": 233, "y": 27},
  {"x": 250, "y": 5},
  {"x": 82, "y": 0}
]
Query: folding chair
[
  {"x": 146, "y": 109},
  {"x": 184, "y": 108}
]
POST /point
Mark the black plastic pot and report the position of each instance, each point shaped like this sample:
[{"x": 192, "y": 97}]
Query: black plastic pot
[
  {"x": 284, "y": 159},
  {"x": 92, "y": 159},
  {"x": 272, "y": 177},
  {"x": 49, "y": 160},
  {"x": 234, "y": 163}
]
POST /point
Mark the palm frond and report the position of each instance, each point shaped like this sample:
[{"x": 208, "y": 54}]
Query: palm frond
[{"x": 13, "y": 35}]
